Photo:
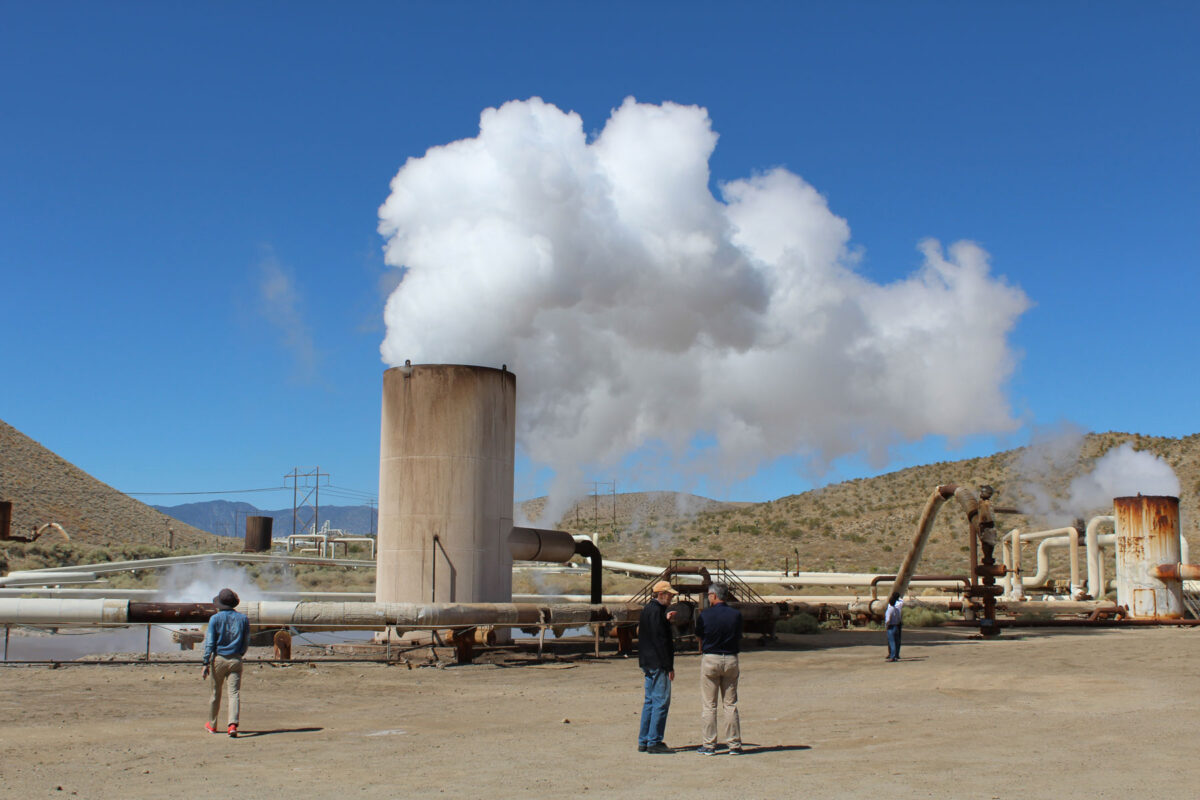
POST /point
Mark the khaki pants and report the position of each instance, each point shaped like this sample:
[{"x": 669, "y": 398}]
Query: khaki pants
[
  {"x": 223, "y": 668},
  {"x": 719, "y": 675}
]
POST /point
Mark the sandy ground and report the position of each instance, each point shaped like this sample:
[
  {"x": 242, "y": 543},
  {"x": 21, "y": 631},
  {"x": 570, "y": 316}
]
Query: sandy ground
[{"x": 1037, "y": 714}]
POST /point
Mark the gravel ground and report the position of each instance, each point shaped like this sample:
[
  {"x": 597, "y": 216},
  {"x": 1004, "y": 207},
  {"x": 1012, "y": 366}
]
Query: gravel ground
[{"x": 1036, "y": 714}]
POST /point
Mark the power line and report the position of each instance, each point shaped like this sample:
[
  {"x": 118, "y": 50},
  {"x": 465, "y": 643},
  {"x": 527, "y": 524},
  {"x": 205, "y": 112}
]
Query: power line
[
  {"x": 226, "y": 491},
  {"x": 343, "y": 492}
]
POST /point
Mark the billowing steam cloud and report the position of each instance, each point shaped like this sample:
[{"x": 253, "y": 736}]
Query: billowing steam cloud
[{"x": 636, "y": 307}]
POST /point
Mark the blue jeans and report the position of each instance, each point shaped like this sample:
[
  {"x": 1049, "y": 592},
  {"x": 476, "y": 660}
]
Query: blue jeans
[
  {"x": 654, "y": 709},
  {"x": 893, "y": 634}
]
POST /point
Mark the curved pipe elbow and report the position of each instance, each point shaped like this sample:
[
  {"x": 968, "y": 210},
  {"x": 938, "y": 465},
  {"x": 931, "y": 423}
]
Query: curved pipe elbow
[{"x": 588, "y": 549}]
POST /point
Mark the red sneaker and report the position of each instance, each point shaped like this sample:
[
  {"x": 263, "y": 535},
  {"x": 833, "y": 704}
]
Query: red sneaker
[
  {"x": 208, "y": 726},
  {"x": 232, "y": 731}
]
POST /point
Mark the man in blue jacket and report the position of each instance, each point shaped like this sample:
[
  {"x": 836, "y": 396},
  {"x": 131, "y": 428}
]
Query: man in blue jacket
[
  {"x": 719, "y": 629},
  {"x": 224, "y": 645}
]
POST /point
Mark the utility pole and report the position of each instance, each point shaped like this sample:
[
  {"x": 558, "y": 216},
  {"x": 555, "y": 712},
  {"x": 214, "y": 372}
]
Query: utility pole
[
  {"x": 310, "y": 482},
  {"x": 612, "y": 487}
]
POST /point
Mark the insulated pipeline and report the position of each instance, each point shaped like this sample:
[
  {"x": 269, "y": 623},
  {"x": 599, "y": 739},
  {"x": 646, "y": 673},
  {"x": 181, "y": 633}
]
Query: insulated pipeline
[{"x": 48, "y": 611}]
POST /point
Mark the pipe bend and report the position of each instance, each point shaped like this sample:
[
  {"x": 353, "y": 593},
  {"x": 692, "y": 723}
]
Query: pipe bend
[{"x": 588, "y": 549}]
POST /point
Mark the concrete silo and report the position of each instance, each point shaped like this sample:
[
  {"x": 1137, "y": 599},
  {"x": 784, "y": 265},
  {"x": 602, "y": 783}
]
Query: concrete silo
[{"x": 446, "y": 484}]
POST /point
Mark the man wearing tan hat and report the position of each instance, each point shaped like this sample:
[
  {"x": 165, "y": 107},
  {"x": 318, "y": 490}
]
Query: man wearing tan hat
[{"x": 656, "y": 656}]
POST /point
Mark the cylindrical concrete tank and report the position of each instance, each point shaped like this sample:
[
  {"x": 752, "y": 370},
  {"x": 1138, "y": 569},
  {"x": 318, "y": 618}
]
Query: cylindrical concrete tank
[
  {"x": 446, "y": 484},
  {"x": 1147, "y": 537},
  {"x": 258, "y": 534}
]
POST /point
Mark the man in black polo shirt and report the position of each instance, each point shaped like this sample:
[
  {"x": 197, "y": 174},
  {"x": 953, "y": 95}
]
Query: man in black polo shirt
[{"x": 719, "y": 629}]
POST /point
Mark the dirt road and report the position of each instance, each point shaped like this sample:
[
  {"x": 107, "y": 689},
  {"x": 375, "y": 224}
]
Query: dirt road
[{"x": 1037, "y": 714}]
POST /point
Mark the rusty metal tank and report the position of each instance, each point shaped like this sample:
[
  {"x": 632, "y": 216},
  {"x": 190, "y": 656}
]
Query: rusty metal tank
[
  {"x": 258, "y": 534},
  {"x": 448, "y": 434},
  {"x": 1147, "y": 529}
]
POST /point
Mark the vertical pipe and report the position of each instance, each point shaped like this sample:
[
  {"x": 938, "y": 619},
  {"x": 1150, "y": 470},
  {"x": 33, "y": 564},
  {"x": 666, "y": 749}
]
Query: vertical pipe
[
  {"x": 1094, "y": 567},
  {"x": 1007, "y": 580},
  {"x": 1018, "y": 583},
  {"x": 148, "y": 627},
  {"x": 5, "y": 519},
  {"x": 1074, "y": 541}
]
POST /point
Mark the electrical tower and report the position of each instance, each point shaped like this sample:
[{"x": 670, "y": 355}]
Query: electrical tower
[{"x": 306, "y": 497}]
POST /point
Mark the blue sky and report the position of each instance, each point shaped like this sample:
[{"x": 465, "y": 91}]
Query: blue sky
[{"x": 160, "y": 164}]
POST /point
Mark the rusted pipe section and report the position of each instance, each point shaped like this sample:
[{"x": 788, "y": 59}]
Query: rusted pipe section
[
  {"x": 1176, "y": 572},
  {"x": 903, "y": 575},
  {"x": 170, "y": 613}
]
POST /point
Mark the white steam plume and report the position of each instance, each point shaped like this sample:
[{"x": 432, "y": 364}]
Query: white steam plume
[
  {"x": 1054, "y": 456},
  {"x": 200, "y": 583},
  {"x": 636, "y": 307},
  {"x": 1053, "y": 453},
  {"x": 1123, "y": 472}
]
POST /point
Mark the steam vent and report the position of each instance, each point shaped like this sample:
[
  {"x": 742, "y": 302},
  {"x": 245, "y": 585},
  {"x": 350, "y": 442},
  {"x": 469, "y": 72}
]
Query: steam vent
[{"x": 446, "y": 484}]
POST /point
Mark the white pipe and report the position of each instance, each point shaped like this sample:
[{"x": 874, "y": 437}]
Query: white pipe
[
  {"x": 43, "y": 578},
  {"x": 24, "y": 611},
  {"x": 203, "y": 558},
  {"x": 1095, "y": 561},
  {"x": 773, "y": 578},
  {"x": 1043, "y": 568}
]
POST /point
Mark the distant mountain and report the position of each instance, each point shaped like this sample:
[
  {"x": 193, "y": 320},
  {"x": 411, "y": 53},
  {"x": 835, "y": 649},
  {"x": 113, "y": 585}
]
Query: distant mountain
[{"x": 229, "y": 519}]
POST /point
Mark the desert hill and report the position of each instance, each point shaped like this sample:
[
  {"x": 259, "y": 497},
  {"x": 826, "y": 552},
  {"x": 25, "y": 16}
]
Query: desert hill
[
  {"x": 867, "y": 524},
  {"x": 858, "y": 525},
  {"x": 44, "y": 487}
]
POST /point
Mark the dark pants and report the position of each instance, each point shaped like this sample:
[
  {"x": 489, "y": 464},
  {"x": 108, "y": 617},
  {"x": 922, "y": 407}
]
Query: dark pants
[
  {"x": 893, "y": 637},
  {"x": 655, "y": 707}
]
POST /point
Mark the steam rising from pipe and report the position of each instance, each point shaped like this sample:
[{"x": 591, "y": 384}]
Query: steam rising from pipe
[
  {"x": 638, "y": 308},
  {"x": 1123, "y": 472},
  {"x": 1120, "y": 472}
]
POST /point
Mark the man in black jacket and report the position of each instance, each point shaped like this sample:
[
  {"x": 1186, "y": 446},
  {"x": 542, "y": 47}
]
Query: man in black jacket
[{"x": 656, "y": 656}]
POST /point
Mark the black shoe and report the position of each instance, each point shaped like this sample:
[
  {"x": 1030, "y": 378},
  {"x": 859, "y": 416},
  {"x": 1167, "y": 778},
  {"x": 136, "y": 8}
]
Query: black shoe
[
  {"x": 735, "y": 751},
  {"x": 641, "y": 748},
  {"x": 658, "y": 748}
]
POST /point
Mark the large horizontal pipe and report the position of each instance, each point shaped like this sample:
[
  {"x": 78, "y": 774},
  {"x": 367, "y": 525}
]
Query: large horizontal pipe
[
  {"x": 540, "y": 544},
  {"x": 876, "y": 607},
  {"x": 205, "y": 558},
  {"x": 42, "y": 611}
]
